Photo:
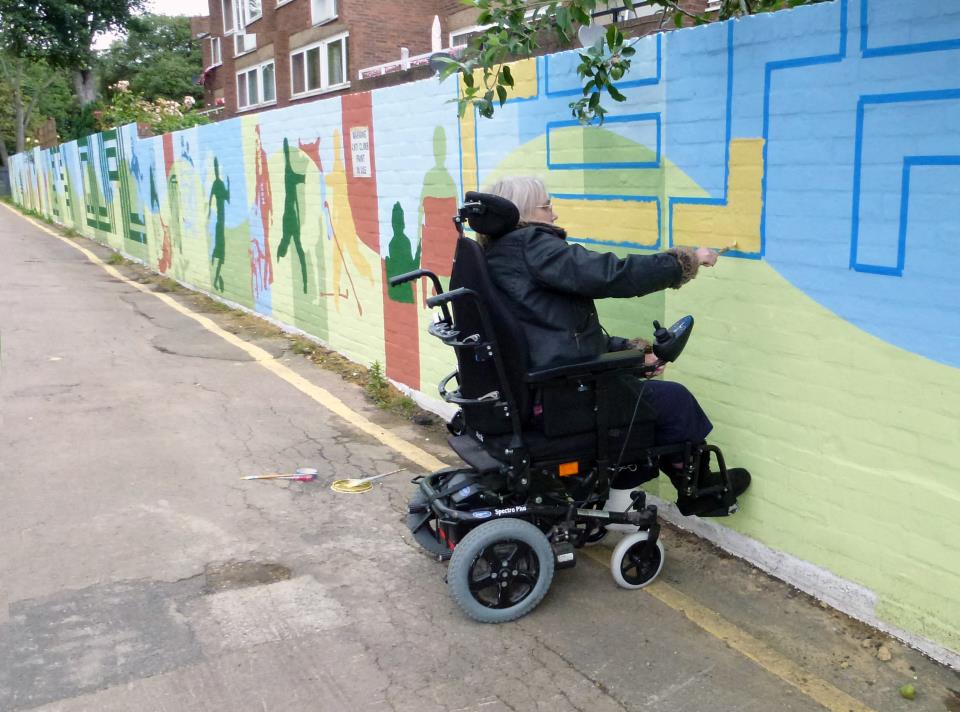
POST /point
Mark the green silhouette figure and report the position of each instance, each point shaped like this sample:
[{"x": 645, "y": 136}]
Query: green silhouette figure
[
  {"x": 154, "y": 197},
  {"x": 401, "y": 258},
  {"x": 291, "y": 213},
  {"x": 220, "y": 193}
]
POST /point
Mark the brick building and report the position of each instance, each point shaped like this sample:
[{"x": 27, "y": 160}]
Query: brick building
[
  {"x": 262, "y": 54},
  {"x": 265, "y": 53}
]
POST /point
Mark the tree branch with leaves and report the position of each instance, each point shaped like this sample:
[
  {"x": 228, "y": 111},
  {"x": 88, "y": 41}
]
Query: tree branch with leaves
[
  {"x": 61, "y": 33},
  {"x": 517, "y": 29}
]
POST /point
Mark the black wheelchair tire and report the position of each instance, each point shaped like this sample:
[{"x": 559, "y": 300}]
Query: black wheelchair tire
[
  {"x": 530, "y": 542},
  {"x": 628, "y": 569},
  {"x": 422, "y": 523}
]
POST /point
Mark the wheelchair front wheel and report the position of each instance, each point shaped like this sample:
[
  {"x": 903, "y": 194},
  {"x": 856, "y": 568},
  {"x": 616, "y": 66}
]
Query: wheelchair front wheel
[
  {"x": 633, "y": 567},
  {"x": 501, "y": 570}
]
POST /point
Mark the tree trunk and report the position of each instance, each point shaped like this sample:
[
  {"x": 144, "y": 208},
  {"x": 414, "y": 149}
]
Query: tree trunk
[
  {"x": 4, "y": 158},
  {"x": 84, "y": 86},
  {"x": 18, "y": 122}
]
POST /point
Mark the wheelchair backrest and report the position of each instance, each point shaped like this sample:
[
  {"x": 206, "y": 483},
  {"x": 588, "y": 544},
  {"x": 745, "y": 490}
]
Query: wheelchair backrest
[{"x": 477, "y": 371}]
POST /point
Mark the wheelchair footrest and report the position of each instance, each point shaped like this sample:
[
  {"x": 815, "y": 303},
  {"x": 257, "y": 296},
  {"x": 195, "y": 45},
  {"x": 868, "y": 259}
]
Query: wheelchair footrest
[{"x": 471, "y": 452}]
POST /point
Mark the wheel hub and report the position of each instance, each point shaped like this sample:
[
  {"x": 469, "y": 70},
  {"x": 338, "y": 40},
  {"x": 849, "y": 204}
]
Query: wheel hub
[{"x": 503, "y": 574}]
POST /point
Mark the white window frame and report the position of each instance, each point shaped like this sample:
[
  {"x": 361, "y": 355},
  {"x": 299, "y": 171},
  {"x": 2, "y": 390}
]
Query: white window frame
[
  {"x": 241, "y": 37},
  {"x": 232, "y": 14},
  {"x": 323, "y": 20},
  {"x": 248, "y": 18},
  {"x": 324, "y": 67},
  {"x": 466, "y": 31},
  {"x": 216, "y": 57},
  {"x": 258, "y": 68}
]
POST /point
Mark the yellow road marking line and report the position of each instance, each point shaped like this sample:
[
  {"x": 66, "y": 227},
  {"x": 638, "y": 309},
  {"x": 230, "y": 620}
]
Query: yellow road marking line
[
  {"x": 265, "y": 359},
  {"x": 708, "y": 620},
  {"x": 821, "y": 691}
]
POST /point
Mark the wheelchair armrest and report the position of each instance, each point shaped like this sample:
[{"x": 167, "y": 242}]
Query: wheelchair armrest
[{"x": 612, "y": 361}]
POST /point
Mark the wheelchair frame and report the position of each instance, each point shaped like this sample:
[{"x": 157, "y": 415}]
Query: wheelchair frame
[{"x": 491, "y": 490}]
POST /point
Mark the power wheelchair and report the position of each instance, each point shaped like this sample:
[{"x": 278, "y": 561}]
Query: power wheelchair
[{"x": 541, "y": 448}]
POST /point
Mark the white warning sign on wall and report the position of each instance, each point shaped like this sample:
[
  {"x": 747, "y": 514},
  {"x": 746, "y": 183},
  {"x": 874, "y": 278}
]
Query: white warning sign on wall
[{"x": 360, "y": 150}]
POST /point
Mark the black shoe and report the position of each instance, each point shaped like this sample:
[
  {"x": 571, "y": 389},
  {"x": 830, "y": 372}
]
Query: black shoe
[
  {"x": 739, "y": 480},
  {"x": 720, "y": 504}
]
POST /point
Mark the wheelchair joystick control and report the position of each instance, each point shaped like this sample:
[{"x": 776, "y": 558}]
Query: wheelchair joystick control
[
  {"x": 660, "y": 334},
  {"x": 668, "y": 343}
]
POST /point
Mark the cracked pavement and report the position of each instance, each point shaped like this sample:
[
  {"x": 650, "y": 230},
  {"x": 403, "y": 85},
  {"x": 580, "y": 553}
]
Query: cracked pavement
[{"x": 126, "y": 428}]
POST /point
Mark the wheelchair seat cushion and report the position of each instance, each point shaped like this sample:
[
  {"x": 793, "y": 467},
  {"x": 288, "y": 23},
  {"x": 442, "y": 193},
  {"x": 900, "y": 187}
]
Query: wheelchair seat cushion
[{"x": 576, "y": 446}]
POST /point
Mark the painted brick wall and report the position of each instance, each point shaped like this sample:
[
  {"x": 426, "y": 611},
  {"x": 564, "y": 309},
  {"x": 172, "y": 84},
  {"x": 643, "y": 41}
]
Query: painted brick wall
[{"x": 824, "y": 141}]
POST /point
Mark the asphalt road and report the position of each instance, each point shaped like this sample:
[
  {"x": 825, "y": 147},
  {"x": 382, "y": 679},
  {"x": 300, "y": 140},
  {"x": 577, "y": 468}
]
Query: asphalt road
[{"x": 140, "y": 573}]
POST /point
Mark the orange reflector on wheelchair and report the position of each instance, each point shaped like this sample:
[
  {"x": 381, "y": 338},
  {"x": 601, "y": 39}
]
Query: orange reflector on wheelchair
[{"x": 569, "y": 468}]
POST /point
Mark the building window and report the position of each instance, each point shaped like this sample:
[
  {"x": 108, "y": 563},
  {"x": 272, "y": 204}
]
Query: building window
[
  {"x": 463, "y": 36},
  {"x": 243, "y": 43},
  {"x": 256, "y": 86},
  {"x": 323, "y": 10},
  {"x": 229, "y": 15},
  {"x": 253, "y": 10},
  {"x": 319, "y": 67},
  {"x": 216, "y": 58}
]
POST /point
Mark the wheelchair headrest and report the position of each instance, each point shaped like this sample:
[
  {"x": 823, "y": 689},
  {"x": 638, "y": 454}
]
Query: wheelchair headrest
[{"x": 488, "y": 214}]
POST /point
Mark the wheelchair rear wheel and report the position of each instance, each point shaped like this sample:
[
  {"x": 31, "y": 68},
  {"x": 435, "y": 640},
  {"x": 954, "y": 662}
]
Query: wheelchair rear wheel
[
  {"x": 501, "y": 570},
  {"x": 632, "y": 564}
]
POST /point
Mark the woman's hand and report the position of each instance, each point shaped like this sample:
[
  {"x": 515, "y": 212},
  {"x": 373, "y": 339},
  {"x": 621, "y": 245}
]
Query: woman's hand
[
  {"x": 706, "y": 257},
  {"x": 651, "y": 360}
]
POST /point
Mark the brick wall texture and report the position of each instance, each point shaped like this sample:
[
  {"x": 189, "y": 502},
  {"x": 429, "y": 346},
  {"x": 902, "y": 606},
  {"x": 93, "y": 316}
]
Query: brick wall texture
[{"x": 821, "y": 143}]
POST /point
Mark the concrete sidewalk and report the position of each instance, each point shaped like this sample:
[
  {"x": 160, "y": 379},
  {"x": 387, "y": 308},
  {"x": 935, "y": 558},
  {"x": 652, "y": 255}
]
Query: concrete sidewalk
[{"x": 140, "y": 572}]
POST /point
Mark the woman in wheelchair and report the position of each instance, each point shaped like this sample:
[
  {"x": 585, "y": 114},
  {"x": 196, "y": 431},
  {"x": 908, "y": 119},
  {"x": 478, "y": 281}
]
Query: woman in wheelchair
[
  {"x": 558, "y": 423},
  {"x": 550, "y": 286}
]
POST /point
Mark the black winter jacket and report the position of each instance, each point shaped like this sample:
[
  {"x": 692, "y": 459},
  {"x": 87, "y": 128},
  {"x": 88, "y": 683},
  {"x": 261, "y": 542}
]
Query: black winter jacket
[{"x": 550, "y": 285}]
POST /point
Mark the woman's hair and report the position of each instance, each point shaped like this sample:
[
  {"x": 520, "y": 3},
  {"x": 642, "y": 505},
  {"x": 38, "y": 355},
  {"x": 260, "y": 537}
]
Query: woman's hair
[{"x": 526, "y": 192}]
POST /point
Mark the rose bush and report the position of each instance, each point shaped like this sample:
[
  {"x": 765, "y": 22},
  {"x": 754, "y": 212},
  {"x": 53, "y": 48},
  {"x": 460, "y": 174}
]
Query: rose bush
[{"x": 125, "y": 106}]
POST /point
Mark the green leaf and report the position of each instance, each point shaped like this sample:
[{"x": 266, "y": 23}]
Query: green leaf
[
  {"x": 501, "y": 94},
  {"x": 468, "y": 79},
  {"x": 614, "y": 37},
  {"x": 615, "y": 93},
  {"x": 678, "y": 19},
  {"x": 577, "y": 13},
  {"x": 589, "y": 87},
  {"x": 594, "y": 100},
  {"x": 507, "y": 76},
  {"x": 628, "y": 51},
  {"x": 448, "y": 70}
]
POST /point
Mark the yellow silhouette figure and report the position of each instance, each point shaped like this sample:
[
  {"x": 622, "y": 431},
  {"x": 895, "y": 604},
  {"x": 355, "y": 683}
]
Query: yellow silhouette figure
[{"x": 344, "y": 232}]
